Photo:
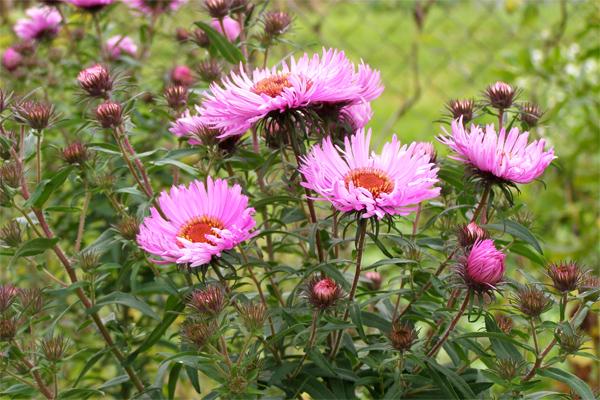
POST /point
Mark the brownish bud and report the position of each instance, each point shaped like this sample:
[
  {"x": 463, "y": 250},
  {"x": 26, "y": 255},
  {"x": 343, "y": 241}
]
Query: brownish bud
[
  {"x": 209, "y": 70},
  {"x": 95, "y": 80},
  {"x": 209, "y": 300},
  {"x": 217, "y": 8},
  {"x": 129, "y": 227},
  {"x": 8, "y": 294},
  {"x": 470, "y": 233},
  {"x": 37, "y": 115},
  {"x": 276, "y": 23},
  {"x": 532, "y": 301},
  {"x": 200, "y": 38},
  {"x": 228, "y": 145},
  {"x": 176, "y": 96},
  {"x": 182, "y": 35},
  {"x": 31, "y": 300},
  {"x": 8, "y": 329},
  {"x": 253, "y": 316},
  {"x": 504, "y": 322},
  {"x": 75, "y": 153},
  {"x": 10, "y": 174},
  {"x": 509, "y": 368},
  {"x": 500, "y": 95},
  {"x": 241, "y": 6},
  {"x": 54, "y": 348},
  {"x": 530, "y": 114},
  {"x": 323, "y": 293},
  {"x": 402, "y": 336},
  {"x": 198, "y": 333},
  {"x": 373, "y": 280},
  {"x": 108, "y": 114},
  {"x": 570, "y": 339},
  {"x": 461, "y": 108},
  {"x": 566, "y": 276},
  {"x": 10, "y": 233}
]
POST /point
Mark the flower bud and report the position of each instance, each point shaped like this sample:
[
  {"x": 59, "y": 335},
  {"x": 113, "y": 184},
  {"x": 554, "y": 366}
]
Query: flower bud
[
  {"x": 425, "y": 149},
  {"x": 176, "y": 96},
  {"x": 75, "y": 153},
  {"x": 209, "y": 70},
  {"x": 508, "y": 368},
  {"x": 565, "y": 276},
  {"x": 32, "y": 300},
  {"x": 8, "y": 329},
  {"x": 253, "y": 316},
  {"x": 108, "y": 114},
  {"x": 590, "y": 283},
  {"x": 10, "y": 233},
  {"x": 54, "y": 348},
  {"x": 11, "y": 59},
  {"x": 484, "y": 267},
  {"x": 373, "y": 280},
  {"x": 500, "y": 95},
  {"x": 129, "y": 227},
  {"x": 569, "y": 339},
  {"x": 96, "y": 81},
  {"x": 8, "y": 294},
  {"x": 200, "y": 38},
  {"x": 209, "y": 300},
  {"x": 182, "y": 35},
  {"x": 88, "y": 260},
  {"x": 470, "y": 233},
  {"x": 10, "y": 174},
  {"x": 4, "y": 100},
  {"x": 531, "y": 301},
  {"x": 276, "y": 23},
  {"x": 323, "y": 292},
  {"x": 461, "y": 108},
  {"x": 402, "y": 336},
  {"x": 37, "y": 115},
  {"x": 504, "y": 322},
  {"x": 217, "y": 8},
  {"x": 198, "y": 333},
  {"x": 228, "y": 145},
  {"x": 241, "y": 6},
  {"x": 530, "y": 114},
  {"x": 182, "y": 75}
]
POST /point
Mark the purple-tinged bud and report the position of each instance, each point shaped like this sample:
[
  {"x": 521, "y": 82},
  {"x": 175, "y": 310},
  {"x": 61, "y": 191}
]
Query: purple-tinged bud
[
  {"x": 32, "y": 300},
  {"x": 37, "y": 115},
  {"x": 217, "y": 8},
  {"x": 530, "y": 114},
  {"x": 200, "y": 38},
  {"x": 10, "y": 175},
  {"x": 470, "y": 233},
  {"x": 209, "y": 70},
  {"x": 8, "y": 294},
  {"x": 323, "y": 293},
  {"x": 129, "y": 227},
  {"x": 501, "y": 95},
  {"x": 402, "y": 336},
  {"x": 182, "y": 75},
  {"x": 75, "y": 153},
  {"x": 532, "y": 301},
  {"x": 504, "y": 322},
  {"x": 96, "y": 81},
  {"x": 10, "y": 233},
  {"x": 198, "y": 333},
  {"x": 484, "y": 267},
  {"x": 54, "y": 348},
  {"x": 8, "y": 329},
  {"x": 253, "y": 316},
  {"x": 373, "y": 280},
  {"x": 566, "y": 276},
  {"x": 176, "y": 96},
  {"x": 276, "y": 23},
  {"x": 461, "y": 108},
  {"x": 108, "y": 114},
  {"x": 209, "y": 300},
  {"x": 11, "y": 59},
  {"x": 182, "y": 35}
]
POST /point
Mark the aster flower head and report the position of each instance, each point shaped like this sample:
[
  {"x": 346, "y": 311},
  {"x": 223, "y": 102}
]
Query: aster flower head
[
  {"x": 470, "y": 233},
  {"x": 91, "y": 5},
  {"x": 203, "y": 220},
  {"x": 176, "y": 96},
  {"x": 566, "y": 276},
  {"x": 402, "y": 336},
  {"x": 42, "y": 23},
  {"x": 11, "y": 59},
  {"x": 38, "y": 115},
  {"x": 504, "y": 157},
  {"x": 530, "y": 114},
  {"x": 483, "y": 268},
  {"x": 155, "y": 7},
  {"x": 391, "y": 183},
  {"x": 109, "y": 114},
  {"x": 242, "y": 101},
  {"x": 501, "y": 95},
  {"x": 75, "y": 153},
  {"x": 209, "y": 300},
  {"x": 461, "y": 109},
  {"x": 95, "y": 80},
  {"x": 323, "y": 293},
  {"x": 232, "y": 27},
  {"x": 193, "y": 128},
  {"x": 532, "y": 301},
  {"x": 118, "y": 45}
]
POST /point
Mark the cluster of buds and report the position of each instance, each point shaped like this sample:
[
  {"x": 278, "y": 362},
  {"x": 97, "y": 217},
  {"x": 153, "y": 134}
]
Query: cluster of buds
[
  {"x": 565, "y": 276},
  {"x": 461, "y": 109},
  {"x": 470, "y": 233},
  {"x": 37, "y": 115},
  {"x": 323, "y": 292},
  {"x": 176, "y": 96},
  {"x": 373, "y": 280},
  {"x": 532, "y": 301},
  {"x": 109, "y": 114},
  {"x": 96, "y": 81},
  {"x": 76, "y": 153},
  {"x": 10, "y": 233},
  {"x": 501, "y": 95},
  {"x": 209, "y": 301},
  {"x": 402, "y": 336}
]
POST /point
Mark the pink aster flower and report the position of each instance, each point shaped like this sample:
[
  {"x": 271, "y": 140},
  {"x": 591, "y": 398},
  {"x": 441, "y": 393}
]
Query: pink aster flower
[
  {"x": 330, "y": 79},
  {"x": 507, "y": 157},
  {"x": 202, "y": 222},
  {"x": 232, "y": 28},
  {"x": 11, "y": 59},
  {"x": 117, "y": 45},
  {"x": 484, "y": 266},
  {"x": 391, "y": 183},
  {"x": 155, "y": 6},
  {"x": 191, "y": 127},
  {"x": 91, "y": 5},
  {"x": 42, "y": 22}
]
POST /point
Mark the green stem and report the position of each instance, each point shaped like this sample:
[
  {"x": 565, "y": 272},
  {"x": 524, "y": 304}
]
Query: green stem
[
  {"x": 482, "y": 204},
  {"x": 311, "y": 342},
  {"x": 450, "y": 328}
]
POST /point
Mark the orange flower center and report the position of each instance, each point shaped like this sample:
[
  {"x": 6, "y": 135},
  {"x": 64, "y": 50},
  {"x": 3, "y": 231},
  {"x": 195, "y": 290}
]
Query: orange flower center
[
  {"x": 196, "y": 230},
  {"x": 272, "y": 86},
  {"x": 374, "y": 180}
]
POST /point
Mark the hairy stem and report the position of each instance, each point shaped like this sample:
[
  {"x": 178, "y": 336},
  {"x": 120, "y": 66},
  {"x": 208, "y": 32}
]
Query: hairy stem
[
  {"x": 482, "y": 204},
  {"x": 311, "y": 342},
  {"x": 450, "y": 328},
  {"x": 81, "y": 226}
]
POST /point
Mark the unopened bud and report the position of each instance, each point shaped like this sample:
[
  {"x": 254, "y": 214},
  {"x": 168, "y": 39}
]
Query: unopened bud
[
  {"x": 530, "y": 114},
  {"x": 75, "y": 153},
  {"x": 32, "y": 300},
  {"x": 108, "y": 114},
  {"x": 253, "y": 316},
  {"x": 402, "y": 336},
  {"x": 198, "y": 333},
  {"x": 276, "y": 23},
  {"x": 209, "y": 300},
  {"x": 531, "y": 301},
  {"x": 323, "y": 293},
  {"x": 10, "y": 233},
  {"x": 8, "y": 329},
  {"x": 500, "y": 95},
  {"x": 128, "y": 227},
  {"x": 182, "y": 75},
  {"x": 373, "y": 280},
  {"x": 228, "y": 145},
  {"x": 570, "y": 339},
  {"x": 200, "y": 38},
  {"x": 504, "y": 322},
  {"x": 209, "y": 70},
  {"x": 96, "y": 81},
  {"x": 8, "y": 294},
  {"x": 509, "y": 368},
  {"x": 566, "y": 276},
  {"x": 176, "y": 96},
  {"x": 217, "y": 8},
  {"x": 10, "y": 174},
  {"x": 88, "y": 260},
  {"x": 469, "y": 234},
  {"x": 590, "y": 284},
  {"x": 182, "y": 35},
  {"x": 54, "y": 348},
  {"x": 37, "y": 115},
  {"x": 461, "y": 108}
]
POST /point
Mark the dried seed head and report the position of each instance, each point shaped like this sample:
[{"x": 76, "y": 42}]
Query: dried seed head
[
  {"x": 209, "y": 70},
  {"x": 182, "y": 35},
  {"x": 129, "y": 227},
  {"x": 10, "y": 233},
  {"x": 570, "y": 339},
  {"x": 10, "y": 174},
  {"x": 500, "y": 95},
  {"x": 373, "y": 280},
  {"x": 532, "y": 301},
  {"x": 109, "y": 114},
  {"x": 37, "y": 115},
  {"x": 198, "y": 333},
  {"x": 8, "y": 329},
  {"x": 470, "y": 233},
  {"x": 504, "y": 322},
  {"x": 323, "y": 292},
  {"x": 530, "y": 114},
  {"x": 75, "y": 153},
  {"x": 88, "y": 260},
  {"x": 461, "y": 108},
  {"x": 217, "y": 8},
  {"x": 402, "y": 336},
  {"x": 566, "y": 276},
  {"x": 54, "y": 348},
  {"x": 253, "y": 316},
  {"x": 200, "y": 38},
  {"x": 209, "y": 300},
  {"x": 96, "y": 81},
  {"x": 32, "y": 300},
  {"x": 8, "y": 294},
  {"x": 176, "y": 96},
  {"x": 276, "y": 23}
]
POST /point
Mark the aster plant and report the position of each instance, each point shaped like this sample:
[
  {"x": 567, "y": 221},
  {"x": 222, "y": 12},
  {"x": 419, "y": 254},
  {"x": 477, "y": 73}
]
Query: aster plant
[{"x": 225, "y": 224}]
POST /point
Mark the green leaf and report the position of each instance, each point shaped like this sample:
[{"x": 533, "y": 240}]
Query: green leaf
[
  {"x": 46, "y": 187},
  {"x": 503, "y": 348},
  {"x": 35, "y": 246},
  {"x": 441, "y": 382},
  {"x": 173, "y": 377},
  {"x": 454, "y": 379},
  {"x": 182, "y": 166},
  {"x": 571, "y": 380},
  {"x": 193, "y": 375},
  {"x": 518, "y": 231},
  {"x": 319, "y": 359},
  {"x": 80, "y": 393},
  {"x": 117, "y": 380},
  {"x": 227, "y": 49},
  {"x": 125, "y": 299},
  {"x": 90, "y": 363}
]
